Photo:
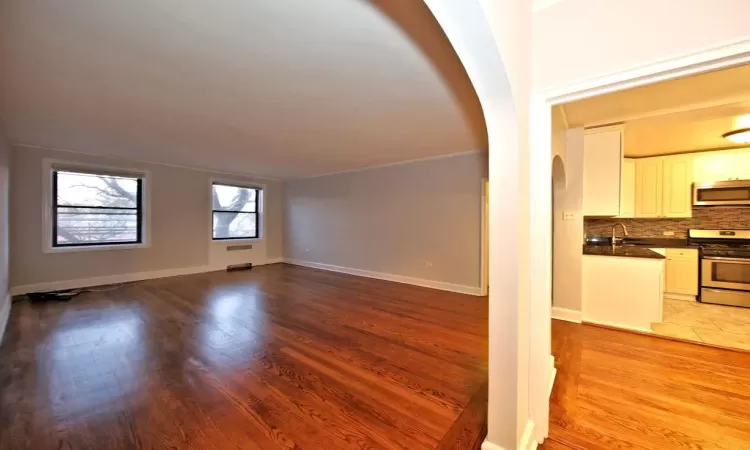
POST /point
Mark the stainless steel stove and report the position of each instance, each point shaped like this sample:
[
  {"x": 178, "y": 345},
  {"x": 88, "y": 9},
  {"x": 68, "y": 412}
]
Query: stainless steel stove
[{"x": 724, "y": 266}]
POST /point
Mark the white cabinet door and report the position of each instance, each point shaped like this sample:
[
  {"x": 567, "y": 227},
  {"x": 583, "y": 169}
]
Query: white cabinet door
[
  {"x": 648, "y": 187},
  {"x": 602, "y": 160},
  {"x": 682, "y": 272},
  {"x": 722, "y": 166},
  {"x": 627, "y": 191},
  {"x": 677, "y": 186},
  {"x": 741, "y": 165}
]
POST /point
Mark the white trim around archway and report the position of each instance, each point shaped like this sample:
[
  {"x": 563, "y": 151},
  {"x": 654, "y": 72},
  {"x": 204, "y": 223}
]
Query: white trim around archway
[{"x": 718, "y": 57}]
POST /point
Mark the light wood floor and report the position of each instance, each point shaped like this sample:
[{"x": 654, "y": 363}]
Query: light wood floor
[
  {"x": 279, "y": 357},
  {"x": 620, "y": 390}
]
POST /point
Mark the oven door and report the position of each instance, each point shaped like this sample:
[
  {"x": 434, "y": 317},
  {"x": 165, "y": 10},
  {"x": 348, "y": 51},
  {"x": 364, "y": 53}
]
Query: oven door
[{"x": 725, "y": 273}]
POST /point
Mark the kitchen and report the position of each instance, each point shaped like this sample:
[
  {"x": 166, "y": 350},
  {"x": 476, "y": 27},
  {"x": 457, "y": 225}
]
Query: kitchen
[{"x": 662, "y": 208}]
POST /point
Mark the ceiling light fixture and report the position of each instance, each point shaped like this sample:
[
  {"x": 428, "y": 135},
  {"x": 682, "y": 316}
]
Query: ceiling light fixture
[{"x": 741, "y": 136}]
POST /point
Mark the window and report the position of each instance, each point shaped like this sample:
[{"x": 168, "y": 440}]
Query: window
[
  {"x": 235, "y": 211},
  {"x": 90, "y": 209}
]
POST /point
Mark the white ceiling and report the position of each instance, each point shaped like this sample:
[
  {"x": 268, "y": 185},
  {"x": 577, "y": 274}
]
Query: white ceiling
[
  {"x": 279, "y": 88},
  {"x": 677, "y": 116}
]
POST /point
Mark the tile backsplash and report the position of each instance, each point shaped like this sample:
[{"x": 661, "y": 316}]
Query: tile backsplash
[{"x": 704, "y": 218}]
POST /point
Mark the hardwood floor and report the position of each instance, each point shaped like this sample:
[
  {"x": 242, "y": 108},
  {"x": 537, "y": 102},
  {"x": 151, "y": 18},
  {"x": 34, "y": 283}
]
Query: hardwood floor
[
  {"x": 279, "y": 357},
  {"x": 619, "y": 390}
]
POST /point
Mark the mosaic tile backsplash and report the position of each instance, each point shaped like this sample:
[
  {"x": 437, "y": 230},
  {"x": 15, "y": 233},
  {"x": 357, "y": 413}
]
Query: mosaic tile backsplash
[{"x": 705, "y": 218}]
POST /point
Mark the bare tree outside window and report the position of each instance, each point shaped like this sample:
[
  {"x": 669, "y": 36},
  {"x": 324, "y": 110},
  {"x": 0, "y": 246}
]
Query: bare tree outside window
[
  {"x": 235, "y": 212},
  {"x": 93, "y": 209}
]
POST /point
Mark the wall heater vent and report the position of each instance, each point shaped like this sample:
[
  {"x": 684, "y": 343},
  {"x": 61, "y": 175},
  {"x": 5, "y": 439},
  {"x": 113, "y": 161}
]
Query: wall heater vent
[{"x": 239, "y": 248}]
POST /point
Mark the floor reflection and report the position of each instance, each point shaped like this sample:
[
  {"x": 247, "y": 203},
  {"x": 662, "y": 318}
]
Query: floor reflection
[{"x": 93, "y": 363}]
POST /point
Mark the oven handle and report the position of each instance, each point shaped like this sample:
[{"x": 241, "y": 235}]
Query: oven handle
[{"x": 737, "y": 260}]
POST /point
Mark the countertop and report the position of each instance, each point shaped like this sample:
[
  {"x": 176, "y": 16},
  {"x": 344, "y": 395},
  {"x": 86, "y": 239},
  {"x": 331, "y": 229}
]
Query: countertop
[
  {"x": 656, "y": 242},
  {"x": 622, "y": 251}
]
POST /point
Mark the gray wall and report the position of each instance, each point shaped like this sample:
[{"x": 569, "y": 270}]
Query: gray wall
[
  {"x": 419, "y": 220},
  {"x": 4, "y": 253},
  {"x": 180, "y": 230}
]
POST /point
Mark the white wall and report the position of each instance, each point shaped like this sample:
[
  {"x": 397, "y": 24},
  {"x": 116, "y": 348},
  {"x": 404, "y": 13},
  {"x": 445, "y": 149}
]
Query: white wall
[
  {"x": 419, "y": 220},
  {"x": 180, "y": 229},
  {"x": 4, "y": 242},
  {"x": 568, "y": 237},
  {"x": 577, "y": 40}
]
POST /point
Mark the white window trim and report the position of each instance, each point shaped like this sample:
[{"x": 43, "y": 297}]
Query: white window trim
[
  {"x": 261, "y": 210},
  {"x": 49, "y": 164}
]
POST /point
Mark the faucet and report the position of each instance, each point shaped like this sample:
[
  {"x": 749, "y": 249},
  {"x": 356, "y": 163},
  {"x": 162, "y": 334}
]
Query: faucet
[{"x": 614, "y": 236}]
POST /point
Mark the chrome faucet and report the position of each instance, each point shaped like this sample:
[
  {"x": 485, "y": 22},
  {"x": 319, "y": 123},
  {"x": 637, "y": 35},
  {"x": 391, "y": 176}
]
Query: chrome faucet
[{"x": 614, "y": 236}]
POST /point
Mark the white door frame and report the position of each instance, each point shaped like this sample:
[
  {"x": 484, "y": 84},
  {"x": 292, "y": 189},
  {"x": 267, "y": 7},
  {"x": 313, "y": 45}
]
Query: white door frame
[{"x": 705, "y": 60}]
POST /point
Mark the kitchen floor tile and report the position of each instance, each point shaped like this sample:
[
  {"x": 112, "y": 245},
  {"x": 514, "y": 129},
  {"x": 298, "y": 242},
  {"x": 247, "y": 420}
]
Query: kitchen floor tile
[
  {"x": 691, "y": 318},
  {"x": 733, "y": 340},
  {"x": 732, "y": 326},
  {"x": 675, "y": 330}
]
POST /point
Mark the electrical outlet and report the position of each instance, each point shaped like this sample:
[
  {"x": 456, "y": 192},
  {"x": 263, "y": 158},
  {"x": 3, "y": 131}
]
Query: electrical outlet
[
  {"x": 428, "y": 263},
  {"x": 567, "y": 215},
  {"x": 669, "y": 233}
]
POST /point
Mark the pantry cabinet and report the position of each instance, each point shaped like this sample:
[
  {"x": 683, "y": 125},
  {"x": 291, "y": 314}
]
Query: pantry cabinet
[{"x": 602, "y": 171}]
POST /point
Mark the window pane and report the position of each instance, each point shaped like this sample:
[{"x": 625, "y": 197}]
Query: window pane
[
  {"x": 233, "y": 198},
  {"x": 83, "y": 189},
  {"x": 95, "y": 226},
  {"x": 234, "y": 225}
]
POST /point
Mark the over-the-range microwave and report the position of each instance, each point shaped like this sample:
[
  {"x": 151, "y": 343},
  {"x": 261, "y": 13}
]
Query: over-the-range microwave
[{"x": 722, "y": 193}]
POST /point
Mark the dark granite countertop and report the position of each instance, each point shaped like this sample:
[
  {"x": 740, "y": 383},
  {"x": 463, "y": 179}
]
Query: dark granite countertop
[
  {"x": 643, "y": 242},
  {"x": 622, "y": 251}
]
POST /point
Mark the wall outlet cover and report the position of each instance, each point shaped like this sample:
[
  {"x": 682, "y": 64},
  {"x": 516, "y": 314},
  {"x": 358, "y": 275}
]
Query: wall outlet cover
[
  {"x": 669, "y": 233},
  {"x": 567, "y": 215}
]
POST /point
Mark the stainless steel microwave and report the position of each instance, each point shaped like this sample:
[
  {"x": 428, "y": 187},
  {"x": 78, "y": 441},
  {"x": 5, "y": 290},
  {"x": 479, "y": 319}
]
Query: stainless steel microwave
[{"x": 722, "y": 193}]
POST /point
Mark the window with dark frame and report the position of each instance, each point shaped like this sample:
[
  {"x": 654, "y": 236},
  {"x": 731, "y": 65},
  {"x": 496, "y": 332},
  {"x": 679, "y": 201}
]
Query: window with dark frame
[
  {"x": 94, "y": 209},
  {"x": 235, "y": 212}
]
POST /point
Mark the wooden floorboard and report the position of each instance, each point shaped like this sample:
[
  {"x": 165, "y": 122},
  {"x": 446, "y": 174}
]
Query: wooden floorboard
[
  {"x": 278, "y": 357},
  {"x": 620, "y": 390}
]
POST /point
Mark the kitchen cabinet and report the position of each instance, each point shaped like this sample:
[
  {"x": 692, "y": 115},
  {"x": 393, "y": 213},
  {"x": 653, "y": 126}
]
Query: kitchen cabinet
[
  {"x": 627, "y": 190},
  {"x": 677, "y": 186},
  {"x": 722, "y": 165},
  {"x": 602, "y": 171},
  {"x": 681, "y": 272},
  {"x": 648, "y": 187},
  {"x": 663, "y": 186},
  {"x": 622, "y": 292}
]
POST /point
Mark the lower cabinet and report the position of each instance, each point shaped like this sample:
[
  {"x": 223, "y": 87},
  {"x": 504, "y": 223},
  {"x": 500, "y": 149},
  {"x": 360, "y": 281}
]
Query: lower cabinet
[{"x": 682, "y": 272}]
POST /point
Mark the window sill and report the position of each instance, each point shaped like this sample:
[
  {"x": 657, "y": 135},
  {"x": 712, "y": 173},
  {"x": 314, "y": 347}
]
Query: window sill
[{"x": 95, "y": 248}]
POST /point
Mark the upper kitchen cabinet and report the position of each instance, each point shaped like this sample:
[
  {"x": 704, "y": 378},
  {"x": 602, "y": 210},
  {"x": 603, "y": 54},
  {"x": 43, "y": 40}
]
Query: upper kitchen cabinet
[
  {"x": 677, "y": 188},
  {"x": 602, "y": 171},
  {"x": 649, "y": 174},
  {"x": 722, "y": 166},
  {"x": 627, "y": 191},
  {"x": 663, "y": 186}
]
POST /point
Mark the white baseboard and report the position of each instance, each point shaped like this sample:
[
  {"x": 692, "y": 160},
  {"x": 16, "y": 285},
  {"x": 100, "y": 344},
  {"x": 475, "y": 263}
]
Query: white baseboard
[
  {"x": 568, "y": 315},
  {"x": 471, "y": 290},
  {"x": 487, "y": 445},
  {"x": 119, "y": 278},
  {"x": 4, "y": 314},
  {"x": 683, "y": 297},
  {"x": 527, "y": 440},
  {"x": 552, "y": 374}
]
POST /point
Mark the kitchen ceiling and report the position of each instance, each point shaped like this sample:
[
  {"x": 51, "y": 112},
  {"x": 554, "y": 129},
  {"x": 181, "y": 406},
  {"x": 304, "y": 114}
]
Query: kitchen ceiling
[{"x": 678, "y": 116}]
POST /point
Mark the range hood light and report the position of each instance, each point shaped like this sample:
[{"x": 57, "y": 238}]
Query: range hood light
[{"x": 741, "y": 136}]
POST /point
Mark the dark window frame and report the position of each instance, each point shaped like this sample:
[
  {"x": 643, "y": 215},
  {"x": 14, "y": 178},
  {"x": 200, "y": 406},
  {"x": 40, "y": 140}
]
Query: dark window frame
[
  {"x": 138, "y": 209},
  {"x": 258, "y": 192}
]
